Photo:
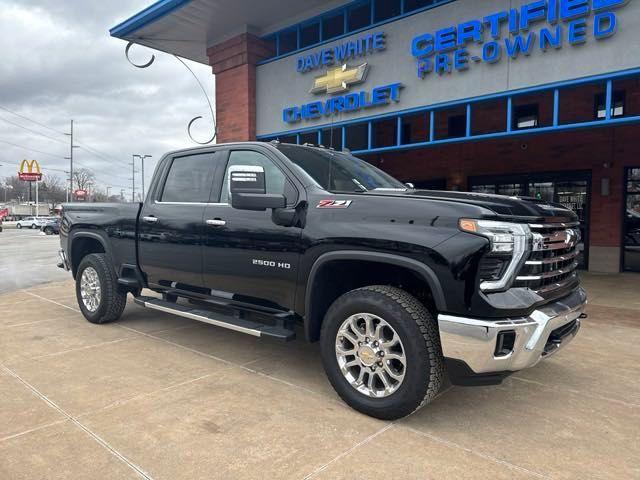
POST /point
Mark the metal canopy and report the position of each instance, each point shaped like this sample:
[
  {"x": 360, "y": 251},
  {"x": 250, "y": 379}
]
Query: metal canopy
[{"x": 187, "y": 27}]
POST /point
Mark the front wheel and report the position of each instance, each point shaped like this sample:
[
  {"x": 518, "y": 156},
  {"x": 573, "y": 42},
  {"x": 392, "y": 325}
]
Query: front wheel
[
  {"x": 48, "y": 231},
  {"x": 97, "y": 291},
  {"x": 381, "y": 351},
  {"x": 33, "y": 226}
]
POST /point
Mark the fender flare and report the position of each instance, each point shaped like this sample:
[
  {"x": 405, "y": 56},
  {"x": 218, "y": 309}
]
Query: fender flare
[
  {"x": 423, "y": 270},
  {"x": 73, "y": 236}
]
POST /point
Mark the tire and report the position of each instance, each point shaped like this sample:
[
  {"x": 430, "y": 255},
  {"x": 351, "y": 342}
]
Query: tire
[
  {"x": 417, "y": 331},
  {"x": 33, "y": 226},
  {"x": 48, "y": 231},
  {"x": 111, "y": 301},
  {"x": 18, "y": 226}
]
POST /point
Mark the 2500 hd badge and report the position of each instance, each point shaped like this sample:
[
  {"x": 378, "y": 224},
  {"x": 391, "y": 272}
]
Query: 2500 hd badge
[
  {"x": 271, "y": 263},
  {"x": 401, "y": 287}
]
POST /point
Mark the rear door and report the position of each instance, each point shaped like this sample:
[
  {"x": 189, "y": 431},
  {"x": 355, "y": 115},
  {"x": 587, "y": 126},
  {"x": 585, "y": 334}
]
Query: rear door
[{"x": 171, "y": 223}]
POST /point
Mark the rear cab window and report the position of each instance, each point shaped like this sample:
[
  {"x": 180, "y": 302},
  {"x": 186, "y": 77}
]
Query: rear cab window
[{"x": 190, "y": 179}]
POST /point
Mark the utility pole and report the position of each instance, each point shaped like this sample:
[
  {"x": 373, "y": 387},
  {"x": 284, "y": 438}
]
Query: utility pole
[
  {"x": 67, "y": 185},
  {"x": 133, "y": 178},
  {"x": 70, "y": 158},
  {"x": 108, "y": 188},
  {"x": 142, "y": 157}
]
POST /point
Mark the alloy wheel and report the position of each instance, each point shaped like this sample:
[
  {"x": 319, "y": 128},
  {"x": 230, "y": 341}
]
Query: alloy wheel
[
  {"x": 90, "y": 289},
  {"x": 370, "y": 355}
]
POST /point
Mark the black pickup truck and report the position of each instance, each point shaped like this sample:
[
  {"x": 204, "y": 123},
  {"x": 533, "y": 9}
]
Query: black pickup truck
[{"x": 400, "y": 286}]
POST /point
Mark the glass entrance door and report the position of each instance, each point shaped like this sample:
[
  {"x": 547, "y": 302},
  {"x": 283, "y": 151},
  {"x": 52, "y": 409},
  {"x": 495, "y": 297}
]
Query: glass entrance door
[
  {"x": 571, "y": 189},
  {"x": 631, "y": 227}
]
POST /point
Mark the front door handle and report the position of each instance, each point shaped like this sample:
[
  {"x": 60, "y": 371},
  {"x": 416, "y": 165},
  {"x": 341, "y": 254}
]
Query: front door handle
[
  {"x": 216, "y": 222},
  {"x": 150, "y": 219}
]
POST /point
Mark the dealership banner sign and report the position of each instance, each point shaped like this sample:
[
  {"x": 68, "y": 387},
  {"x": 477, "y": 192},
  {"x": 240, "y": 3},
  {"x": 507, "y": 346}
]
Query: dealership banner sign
[
  {"x": 543, "y": 24},
  {"x": 377, "y": 69}
]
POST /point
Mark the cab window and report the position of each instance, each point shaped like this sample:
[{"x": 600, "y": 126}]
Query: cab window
[
  {"x": 275, "y": 180},
  {"x": 189, "y": 180}
]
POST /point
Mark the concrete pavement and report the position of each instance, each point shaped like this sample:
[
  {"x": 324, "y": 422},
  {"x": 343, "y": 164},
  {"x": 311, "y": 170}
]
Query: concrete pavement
[
  {"x": 160, "y": 397},
  {"x": 28, "y": 257}
]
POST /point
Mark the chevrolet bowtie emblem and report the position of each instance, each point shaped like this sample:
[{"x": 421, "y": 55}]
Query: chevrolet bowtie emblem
[{"x": 339, "y": 79}]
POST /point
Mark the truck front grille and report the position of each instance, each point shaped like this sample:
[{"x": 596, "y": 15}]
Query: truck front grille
[{"x": 554, "y": 258}]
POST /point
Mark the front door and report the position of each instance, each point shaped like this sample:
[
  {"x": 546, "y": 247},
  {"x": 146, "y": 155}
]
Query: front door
[
  {"x": 171, "y": 222},
  {"x": 247, "y": 257}
]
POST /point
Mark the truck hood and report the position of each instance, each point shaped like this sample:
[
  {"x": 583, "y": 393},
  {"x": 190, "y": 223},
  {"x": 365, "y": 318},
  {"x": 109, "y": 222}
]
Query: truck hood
[{"x": 501, "y": 205}]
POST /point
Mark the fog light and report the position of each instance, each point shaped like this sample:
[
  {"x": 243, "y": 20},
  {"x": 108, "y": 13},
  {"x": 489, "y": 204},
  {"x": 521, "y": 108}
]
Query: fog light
[{"x": 504, "y": 343}]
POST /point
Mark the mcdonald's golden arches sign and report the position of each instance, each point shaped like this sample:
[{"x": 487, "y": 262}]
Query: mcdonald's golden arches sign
[{"x": 29, "y": 171}]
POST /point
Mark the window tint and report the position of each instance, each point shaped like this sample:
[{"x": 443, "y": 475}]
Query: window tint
[
  {"x": 190, "y": 179},
  {"x": 274, "y": 178}
]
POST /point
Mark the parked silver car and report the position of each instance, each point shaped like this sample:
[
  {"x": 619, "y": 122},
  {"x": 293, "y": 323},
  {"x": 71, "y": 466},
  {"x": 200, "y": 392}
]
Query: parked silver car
[{"x": 31, "y": 222}]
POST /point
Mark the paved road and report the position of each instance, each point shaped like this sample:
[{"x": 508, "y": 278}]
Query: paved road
[
  {"x": 28, "y": 258},
  {"x": 159, "y": 397}
]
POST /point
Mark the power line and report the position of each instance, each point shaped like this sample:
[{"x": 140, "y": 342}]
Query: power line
[
  {"x": 103, "y": 171},
  {"x": 98, "y": 155},
  {"x": 32, "y": 131},
  {"x": 31, "y": 120},
  {"x": 31, "y": 149}
]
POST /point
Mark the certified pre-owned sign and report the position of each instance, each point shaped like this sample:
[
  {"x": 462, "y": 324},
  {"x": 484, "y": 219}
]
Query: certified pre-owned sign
[{"x": 513, "y": 32}]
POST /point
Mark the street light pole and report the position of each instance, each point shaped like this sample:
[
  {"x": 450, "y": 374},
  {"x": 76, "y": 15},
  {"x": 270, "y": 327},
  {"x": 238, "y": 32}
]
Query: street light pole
[
  {"x": 142, "y": 158},
  {"x": 133, "y": 178}
]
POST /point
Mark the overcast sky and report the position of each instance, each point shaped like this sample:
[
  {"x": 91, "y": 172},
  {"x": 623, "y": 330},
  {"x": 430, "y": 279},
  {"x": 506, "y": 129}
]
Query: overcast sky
[{"x": 59, "y": 63}]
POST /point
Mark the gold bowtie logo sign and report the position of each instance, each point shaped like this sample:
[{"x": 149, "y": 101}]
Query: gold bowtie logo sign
[{"x": 339, "y": 79}]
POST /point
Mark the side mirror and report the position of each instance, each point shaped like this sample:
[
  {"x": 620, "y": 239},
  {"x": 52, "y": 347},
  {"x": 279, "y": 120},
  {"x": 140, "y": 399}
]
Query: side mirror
[
  {"x": 248, "y": 189},
  {"x": 410, "y": 185}
]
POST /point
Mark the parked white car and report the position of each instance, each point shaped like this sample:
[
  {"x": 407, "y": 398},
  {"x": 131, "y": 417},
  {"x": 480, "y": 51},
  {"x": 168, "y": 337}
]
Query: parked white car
[{"x": 31, "y": 222}]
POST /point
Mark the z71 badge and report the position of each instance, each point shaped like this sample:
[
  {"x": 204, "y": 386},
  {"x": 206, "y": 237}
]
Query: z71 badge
[{"x": 334, "y": 204}]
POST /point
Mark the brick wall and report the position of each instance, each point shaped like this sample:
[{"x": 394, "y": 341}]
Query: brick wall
[{"x": 234, "y": 64}]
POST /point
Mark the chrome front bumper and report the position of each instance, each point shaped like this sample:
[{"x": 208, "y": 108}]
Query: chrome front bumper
[{"x": 473, "y": 341}]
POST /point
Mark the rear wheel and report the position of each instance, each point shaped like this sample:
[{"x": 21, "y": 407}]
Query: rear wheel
[
  {"x": 18, "y": 226},
  {"x": 97, "y": 291},
  {"x": 33, "y": 226},
  {"x": 48, "y": 230},
  {"x": 381, "y": 351}
]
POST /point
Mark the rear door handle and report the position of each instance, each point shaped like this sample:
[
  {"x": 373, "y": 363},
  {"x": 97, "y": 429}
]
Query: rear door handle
[
  {"x": 216, "y": 222},
  {"x": 150, "y": 219}
]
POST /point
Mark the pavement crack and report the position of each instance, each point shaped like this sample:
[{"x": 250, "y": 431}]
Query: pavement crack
[
  {"x": 349, "y": 450},
  {"x": 79, "y": 424},
  {"x": 476, "y": 453}
]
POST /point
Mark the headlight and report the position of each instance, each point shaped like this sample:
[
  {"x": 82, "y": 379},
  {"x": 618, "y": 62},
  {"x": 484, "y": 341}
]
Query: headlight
[{"x": 508, "y": 240}]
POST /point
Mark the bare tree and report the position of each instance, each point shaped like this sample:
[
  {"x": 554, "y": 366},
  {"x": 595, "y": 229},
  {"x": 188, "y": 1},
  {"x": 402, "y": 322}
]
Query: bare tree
[
  {"x": 52, "y": 189},
  {"x": 83, "y": 178}
]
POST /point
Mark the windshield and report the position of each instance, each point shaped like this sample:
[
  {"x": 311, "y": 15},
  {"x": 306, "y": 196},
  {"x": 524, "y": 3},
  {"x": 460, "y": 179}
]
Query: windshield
[{"x": 339, "y": 171}]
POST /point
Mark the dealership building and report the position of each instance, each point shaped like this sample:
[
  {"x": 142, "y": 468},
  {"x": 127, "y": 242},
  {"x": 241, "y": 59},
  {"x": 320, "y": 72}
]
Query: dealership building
[{"x": 532, "y": 98}]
